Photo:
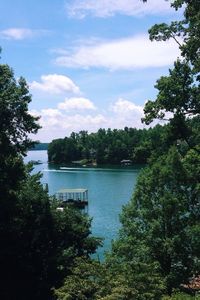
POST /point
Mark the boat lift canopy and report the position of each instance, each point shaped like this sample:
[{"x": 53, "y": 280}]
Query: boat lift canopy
[{"x": 72, "y": 194}]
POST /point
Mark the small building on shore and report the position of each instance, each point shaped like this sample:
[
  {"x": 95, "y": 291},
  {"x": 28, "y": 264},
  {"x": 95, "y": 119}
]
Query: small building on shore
[{"x": 126, "y": 162}]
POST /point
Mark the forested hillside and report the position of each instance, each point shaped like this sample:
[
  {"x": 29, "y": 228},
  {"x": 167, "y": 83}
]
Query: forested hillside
[
  {"x": 107, "y": 146},
  {"x": 40, "y": 146},
  {"x": 113, "y": 146}
]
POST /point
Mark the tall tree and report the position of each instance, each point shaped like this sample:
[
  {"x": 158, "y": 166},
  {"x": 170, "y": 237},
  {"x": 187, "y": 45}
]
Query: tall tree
[
  {"x": 16, "y": 124},
  {"x": 184, "y": 32},
  {"x": 179, "y": 93},
  {"x": 38, "y": 242},
  {"x": 160, "y": 225}
]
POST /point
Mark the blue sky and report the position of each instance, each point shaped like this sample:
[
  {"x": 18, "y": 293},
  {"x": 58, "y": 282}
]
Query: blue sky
[{"x": 89, "y": 64}]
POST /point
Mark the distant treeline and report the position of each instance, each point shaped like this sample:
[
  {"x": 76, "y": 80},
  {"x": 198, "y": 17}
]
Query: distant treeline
[
  {"x": 40, "y": 146},
  {"x": 113, "y": 146}
]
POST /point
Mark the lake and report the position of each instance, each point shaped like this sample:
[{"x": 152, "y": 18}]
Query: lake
[{"x": 109, "y": 189}]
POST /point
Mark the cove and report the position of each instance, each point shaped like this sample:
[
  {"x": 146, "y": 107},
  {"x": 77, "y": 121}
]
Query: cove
[{"x": 109, "y": 189}]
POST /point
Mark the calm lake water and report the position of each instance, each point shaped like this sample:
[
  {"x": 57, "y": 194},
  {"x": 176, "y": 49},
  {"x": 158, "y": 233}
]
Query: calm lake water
[{"x": 109, "y": 189}]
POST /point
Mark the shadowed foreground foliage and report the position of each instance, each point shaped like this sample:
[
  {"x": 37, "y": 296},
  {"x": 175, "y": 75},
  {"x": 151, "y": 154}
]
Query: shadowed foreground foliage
[{"x": 38, "y": 243}]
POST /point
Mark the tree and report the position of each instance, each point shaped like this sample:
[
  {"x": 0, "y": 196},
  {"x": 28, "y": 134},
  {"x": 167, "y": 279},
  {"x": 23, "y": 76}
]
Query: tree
[
  {"x": 16, "y": 124},
  {"x": 184, "y": 32},
  {"x": 178, "y": 93},
  {"x": 164, "y": 210},
  {"x": 92, "y": 280},
  {"x": 29, "y": 263},
  {"x": 45, "y": 242},
  {"x": 110, "y": 146},
  {"x": 83, "y": 282},
  {"x": 160, "y": 226},
  {"x": 38, "y": 242}
]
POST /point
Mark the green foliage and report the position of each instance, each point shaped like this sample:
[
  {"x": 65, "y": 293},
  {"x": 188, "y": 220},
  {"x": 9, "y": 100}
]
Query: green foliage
[
  {"x": 16, "y": 124},
  {"x": 186, "y": 30},
  {"x": 160, "y": 234},
  {"x": 109, "y": 146},
  {"x": 15, "y": 121},
  {"x": 181, "y": 296},
  {"x": 38, "y": 243},
  {"x": 112, "y": 146},
  {"x": 178, "y": 93},
  {"x": 44, "y": 243},
  {"x": 40, "y": 146},
  {"x": 158, "y": 246},
  {"x": 129, "y": 264},
  {"x": 82, "y": 283},
  {"x": 93, "y": 280},
  {"x": 160, "y": 226},
  {"x": 32, "y": 251},
  {"x": 179, "y": 88}
]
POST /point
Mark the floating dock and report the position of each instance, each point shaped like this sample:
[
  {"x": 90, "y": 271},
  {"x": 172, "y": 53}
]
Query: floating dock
[{"x": 75, "y": 197}]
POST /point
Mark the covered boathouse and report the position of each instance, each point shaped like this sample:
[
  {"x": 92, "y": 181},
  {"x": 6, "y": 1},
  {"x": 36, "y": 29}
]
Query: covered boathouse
[{"x": 76, "y": 197}]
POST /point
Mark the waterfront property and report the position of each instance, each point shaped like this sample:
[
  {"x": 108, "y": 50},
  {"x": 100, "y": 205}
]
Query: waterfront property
[
  {"x": 126, "y": 162},
  {"x": 109, "y": 188},
  {"x": 75, "y": 197}
]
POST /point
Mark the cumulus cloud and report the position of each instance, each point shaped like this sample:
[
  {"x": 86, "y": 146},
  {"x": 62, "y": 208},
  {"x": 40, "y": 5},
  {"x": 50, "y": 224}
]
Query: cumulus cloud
[
  {"x": 129, "y": 53},
  {"x": 56, "y": 84},
  {"x": 21, "y": 33},
  {"x": 60, "y": 122},
  {"x": 51, "y": 112},
  {"x": 56, "y": 126},
  {"x": 89, "y": 122},
  {"x": 109, "y": 8},
  {"x": 122, "y": 106},
  {"x": 78, "y": 103},
  {"x": 126, "y": 113}
]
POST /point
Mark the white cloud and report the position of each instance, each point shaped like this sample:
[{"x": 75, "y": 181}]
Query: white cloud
[
  {"x": 87, "y": 122},
  {"x": 56, "y": 84},
  {"x": 109, "y": 8},
  {"x": 60, "y": 123},
  {"x": 51, "y": 112},
  {"x": 48, "y": 116},
  {"x": 122, "y": 106},
  {"x": 129, "y": 53},
  {"x": 78, "y": 103},
  {"x": 21, "y": 33},
  {"x": 126, "y": 113}
]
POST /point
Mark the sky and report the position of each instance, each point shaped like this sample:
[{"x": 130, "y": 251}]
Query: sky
[{"x": 89, "y": 64}]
